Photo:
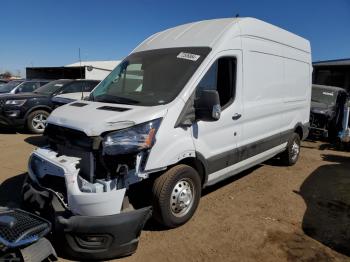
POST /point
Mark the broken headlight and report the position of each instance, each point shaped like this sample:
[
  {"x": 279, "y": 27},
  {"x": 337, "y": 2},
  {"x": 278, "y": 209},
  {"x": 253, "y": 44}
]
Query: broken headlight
[{"x": 131, "y": 140}]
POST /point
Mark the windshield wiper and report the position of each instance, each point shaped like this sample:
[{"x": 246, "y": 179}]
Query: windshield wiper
[{"x": 115, "y": 99}]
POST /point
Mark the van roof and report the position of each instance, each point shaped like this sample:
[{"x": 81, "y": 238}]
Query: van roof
[{"x": 209, "y": 32}]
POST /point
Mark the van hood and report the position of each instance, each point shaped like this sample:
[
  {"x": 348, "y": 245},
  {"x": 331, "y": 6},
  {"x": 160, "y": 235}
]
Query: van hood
[{"x": 95, "y": 118}]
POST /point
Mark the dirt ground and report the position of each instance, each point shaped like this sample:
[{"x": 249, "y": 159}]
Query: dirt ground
[{"x": 268, "y": 213}]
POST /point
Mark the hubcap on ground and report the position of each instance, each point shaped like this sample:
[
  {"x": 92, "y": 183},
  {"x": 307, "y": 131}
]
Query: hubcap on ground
[
  {"x": 295, "y": 150},
  {"x": 182, "y": 196},
  {"x": 39, "y": 121}
]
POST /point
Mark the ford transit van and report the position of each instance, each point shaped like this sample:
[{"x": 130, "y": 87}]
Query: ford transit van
[{"x": 190, "y": 106}]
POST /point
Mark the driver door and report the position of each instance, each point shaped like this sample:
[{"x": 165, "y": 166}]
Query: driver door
[{"x": 217, "y": 141}]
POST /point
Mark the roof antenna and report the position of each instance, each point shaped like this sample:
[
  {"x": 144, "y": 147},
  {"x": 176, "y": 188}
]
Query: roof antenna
[
  {"x": 237, "y": 15},
  {"x": 81, "y": 77}
]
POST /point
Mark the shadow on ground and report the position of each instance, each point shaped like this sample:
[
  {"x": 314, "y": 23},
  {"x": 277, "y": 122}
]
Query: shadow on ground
[
  {"x": 10, "y": 191},
  {"x": 345, "y": 147},
  {"x": 5, "y": 130},
  {"x": 153, "y": 225},
  {"x": 326, "y": 193},
  {"x": 37, "y": 140},
  {"x": 12, "y": 130}
]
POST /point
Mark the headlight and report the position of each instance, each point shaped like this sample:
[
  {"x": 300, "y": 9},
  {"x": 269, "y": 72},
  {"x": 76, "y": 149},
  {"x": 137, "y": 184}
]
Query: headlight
[
  {"x": 131, "y": 140},
  {"x": 16, "y": 102}
]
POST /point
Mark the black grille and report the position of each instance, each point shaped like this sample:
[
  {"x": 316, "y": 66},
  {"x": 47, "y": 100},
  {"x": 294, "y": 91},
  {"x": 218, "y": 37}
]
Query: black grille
[
  {"x": 318, "y": 120},
  {"x": 17, "y": 226},
  {"x": 68, "y": 137},
  {"x": 2, "y": 102}
]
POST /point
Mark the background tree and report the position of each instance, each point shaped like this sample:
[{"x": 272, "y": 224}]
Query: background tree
[{"x": 6, "y": 74}]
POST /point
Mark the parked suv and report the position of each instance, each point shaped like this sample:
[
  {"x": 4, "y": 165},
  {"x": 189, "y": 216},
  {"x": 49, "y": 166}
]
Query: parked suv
[
  {"x": 32, "y": 109},
  {"x": 22, "y": 86}
]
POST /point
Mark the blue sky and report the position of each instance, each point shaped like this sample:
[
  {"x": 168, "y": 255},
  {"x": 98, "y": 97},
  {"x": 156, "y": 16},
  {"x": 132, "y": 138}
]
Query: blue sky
[{"x": 49, "y": 33}]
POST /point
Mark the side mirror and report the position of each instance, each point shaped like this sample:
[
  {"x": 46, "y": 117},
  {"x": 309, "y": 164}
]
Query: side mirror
[
  {"x": 207, "y": 106},
  {"x": 18, "y": 90}
]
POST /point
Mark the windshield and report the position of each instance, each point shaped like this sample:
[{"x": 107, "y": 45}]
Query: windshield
[
  {"x": 324, "y": 96},
  {"x": 52, "y": 87},
  {"x": 150, "y": 78},
  {"x": 6, "y": 88}
]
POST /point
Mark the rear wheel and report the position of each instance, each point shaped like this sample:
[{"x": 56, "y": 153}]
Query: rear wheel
[
  {"x": 36, "y": 121},
  {"x": 176, "y": 195},
  {"x": 291, "y": 155}
]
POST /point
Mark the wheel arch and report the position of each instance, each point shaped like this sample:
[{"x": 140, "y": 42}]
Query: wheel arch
[
  {"x": 36, "y": 108},
  {"x": 199, "y": 164},
  {"x": 298, "y": 129}
]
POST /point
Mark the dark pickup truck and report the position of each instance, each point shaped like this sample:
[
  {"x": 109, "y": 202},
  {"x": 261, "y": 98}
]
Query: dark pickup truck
[{"x": 327, "y": 110}]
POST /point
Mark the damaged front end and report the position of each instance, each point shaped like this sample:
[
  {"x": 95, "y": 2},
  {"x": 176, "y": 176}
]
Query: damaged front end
[{"x": 83, "y": 181}]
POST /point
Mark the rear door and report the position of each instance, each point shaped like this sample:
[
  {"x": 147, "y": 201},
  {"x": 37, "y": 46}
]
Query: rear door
[{"x": 217, "y": 141}]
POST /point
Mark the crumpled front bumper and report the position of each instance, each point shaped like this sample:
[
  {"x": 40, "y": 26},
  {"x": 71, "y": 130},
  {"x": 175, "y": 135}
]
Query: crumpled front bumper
[
  {"x": 101, "y": 237},
  {"x": 45, "y": 165},
  {"x": 88, "y": 237},
  {"x": 89, "y": 226}
]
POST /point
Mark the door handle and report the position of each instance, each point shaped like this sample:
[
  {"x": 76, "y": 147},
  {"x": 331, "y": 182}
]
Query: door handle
[{"x": 236, "y": 116}]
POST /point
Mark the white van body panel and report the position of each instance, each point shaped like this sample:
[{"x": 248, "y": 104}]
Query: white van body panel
[
  {"x": 270, "y": 103},
  {"x": 273, "y": 93},
  {"x": 245, "y": 164},
  {"x": 172, "y": 144},
  {"x": 202, "y": 33},
  {"x": 273, "y": 85},
  {"x": 273, "y": 80}
]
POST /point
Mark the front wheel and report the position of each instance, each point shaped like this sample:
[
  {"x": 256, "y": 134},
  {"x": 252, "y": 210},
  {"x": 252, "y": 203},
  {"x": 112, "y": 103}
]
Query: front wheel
[
  {"x": 36, "y": 121},
  {"x": 176, "y": 195}
]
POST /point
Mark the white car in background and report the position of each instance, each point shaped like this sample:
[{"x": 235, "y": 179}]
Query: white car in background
[{"x": 78, "y": 93}]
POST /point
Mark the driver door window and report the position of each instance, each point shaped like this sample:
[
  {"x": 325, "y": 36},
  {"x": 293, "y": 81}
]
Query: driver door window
[{"x": 221, "y": 77}]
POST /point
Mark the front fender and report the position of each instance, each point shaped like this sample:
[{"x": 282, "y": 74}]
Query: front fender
[{"x": 172, "y": 143}]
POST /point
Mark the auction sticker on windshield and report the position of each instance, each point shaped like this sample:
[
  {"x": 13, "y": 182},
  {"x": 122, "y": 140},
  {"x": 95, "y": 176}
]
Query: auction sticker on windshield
[
  {"x": 188, "y": 56},
  {"x": 328, "y": 93}
]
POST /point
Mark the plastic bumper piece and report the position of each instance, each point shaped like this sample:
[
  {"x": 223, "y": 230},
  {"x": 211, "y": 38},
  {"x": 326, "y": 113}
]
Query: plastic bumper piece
[{"x": 101, "y": 237}]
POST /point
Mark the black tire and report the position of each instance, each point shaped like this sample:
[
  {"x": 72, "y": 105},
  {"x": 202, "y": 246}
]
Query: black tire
[
  {"x": 291, "y": 155},
  {"x": 176, "y": 181},
  {"x": 36, "y": 129}
]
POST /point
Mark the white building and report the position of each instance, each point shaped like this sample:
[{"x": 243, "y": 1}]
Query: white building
[{"x": 96, "y": 69}]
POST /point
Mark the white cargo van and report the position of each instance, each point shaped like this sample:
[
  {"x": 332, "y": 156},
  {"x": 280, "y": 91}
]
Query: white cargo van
[{"x": 190, "y": 106}]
